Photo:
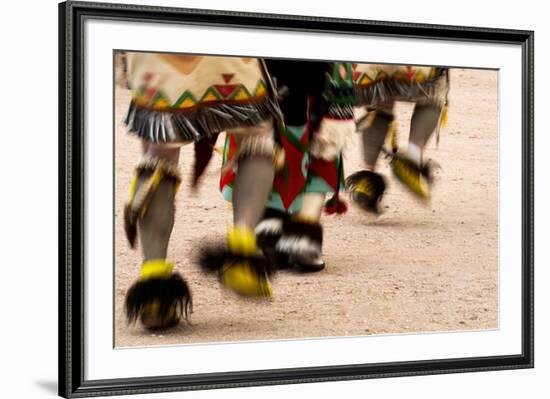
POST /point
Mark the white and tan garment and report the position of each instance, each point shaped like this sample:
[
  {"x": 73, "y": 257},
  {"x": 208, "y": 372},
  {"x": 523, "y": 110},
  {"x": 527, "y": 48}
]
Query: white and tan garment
[
  {"x": 380, "y": 83},
  {"x": 178, "y": 98}
]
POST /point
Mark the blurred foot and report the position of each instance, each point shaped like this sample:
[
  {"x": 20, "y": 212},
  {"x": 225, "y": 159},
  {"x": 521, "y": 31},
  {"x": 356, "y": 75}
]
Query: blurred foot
[
  {"x": 366, "y": 189},
  {"x": 417, "y": 177},
  {"x": 307, "y": 264},
  {"x": 243, "y": 271},
  {"x": 302, "y": 242},
  {"x": 160, "y": 299}
]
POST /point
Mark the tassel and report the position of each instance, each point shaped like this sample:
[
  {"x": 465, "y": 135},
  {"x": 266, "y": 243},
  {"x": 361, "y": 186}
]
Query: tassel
[{"x": 335, "y": 205}]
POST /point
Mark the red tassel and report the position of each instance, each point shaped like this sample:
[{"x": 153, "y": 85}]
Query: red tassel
[{"x": 336, "y": 206}]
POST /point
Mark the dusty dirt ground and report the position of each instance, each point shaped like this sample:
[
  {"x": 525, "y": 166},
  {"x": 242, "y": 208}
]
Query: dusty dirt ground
[{"x": 417, "y": 268}]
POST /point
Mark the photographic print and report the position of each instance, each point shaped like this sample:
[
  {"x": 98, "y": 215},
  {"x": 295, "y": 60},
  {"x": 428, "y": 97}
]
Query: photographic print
[
  {"x": 289, "y": 199},
  {"x": 391, "y": 227}
]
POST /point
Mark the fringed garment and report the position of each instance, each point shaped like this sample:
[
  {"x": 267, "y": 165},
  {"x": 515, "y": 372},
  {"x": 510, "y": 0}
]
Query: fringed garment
[
  {"x": 379, "y": 83},
  {"x": 182, "y": 98},
  {"x": 301, "y": 85}
]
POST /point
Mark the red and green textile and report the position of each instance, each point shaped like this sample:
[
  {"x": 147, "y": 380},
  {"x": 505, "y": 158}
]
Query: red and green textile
[{"x": 300, "y": 173}]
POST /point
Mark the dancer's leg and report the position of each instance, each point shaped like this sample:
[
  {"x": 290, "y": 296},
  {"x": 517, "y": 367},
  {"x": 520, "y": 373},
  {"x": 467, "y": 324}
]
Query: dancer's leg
[
  {"x": 424, "y": 121},
  {"x": 254, "y": 180},
  {"x": 366, "y": 187},
  {"x": 410, "y": 167},
  {"x": 243, "y": 271},
  {"x": 312, "y": 207},
  {"x": 374, "y": 135},
  {"x": 160, "y": 297},
  {"x": 155, "y": 226}
]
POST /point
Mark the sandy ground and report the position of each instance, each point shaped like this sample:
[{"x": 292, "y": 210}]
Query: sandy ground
[{"x": 417, "y": 268}]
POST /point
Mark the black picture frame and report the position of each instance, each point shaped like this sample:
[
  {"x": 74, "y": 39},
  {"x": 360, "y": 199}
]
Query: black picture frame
[{"x": 71, "y": 199}]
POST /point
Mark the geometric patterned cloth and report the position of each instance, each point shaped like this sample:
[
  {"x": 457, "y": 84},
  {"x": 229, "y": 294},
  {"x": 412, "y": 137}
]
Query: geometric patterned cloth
[
  {"x": 378, "y": 83},
  {"x": 300, "y": 173},
  {"x": 183, "y": 82},
  {"x": 303, "y": 105},
  {"x": 179, "y": 98}
]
